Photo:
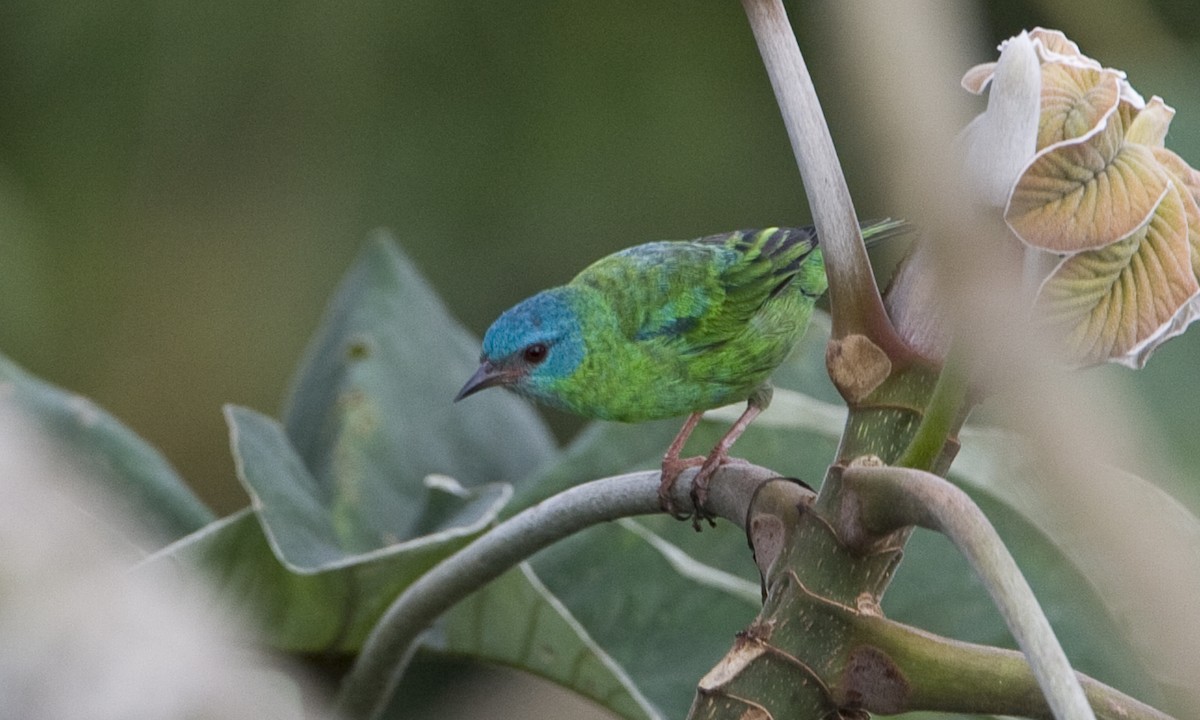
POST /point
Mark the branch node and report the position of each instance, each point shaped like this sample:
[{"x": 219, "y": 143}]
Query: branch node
[
  {"x": 857, "y": 366},
  {"x": 872, "y": 681}
]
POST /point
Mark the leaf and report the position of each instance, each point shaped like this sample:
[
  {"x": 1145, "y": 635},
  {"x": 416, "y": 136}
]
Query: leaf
[
  {"x": 999, "y": 142},
  {"x": 1150, "y": 124},
  {"x": 377, "y": 477},
  {"x": 1187, "y": 180},
  {"x": 301, "y": 524},
  {"x": 665, "y": 632},
  {"x": 1109, "y": 303},
  {"x": 371, "y": 413},
  {"x": 85, "y": 441},
  {"x": 544, "y": 639},
  {"x": 1075, "y": 100},
  {"x": 328, "y": 611},
  {"x": 1086, "y": 193}
]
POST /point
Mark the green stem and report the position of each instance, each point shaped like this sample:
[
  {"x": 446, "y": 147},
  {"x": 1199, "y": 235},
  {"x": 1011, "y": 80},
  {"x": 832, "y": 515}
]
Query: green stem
[
  {"x": 943, "y": 416},
  {"x": 943, "y": 675},
  {"x": 891, "y": 498},
  {"x": 369, "y": 685}
]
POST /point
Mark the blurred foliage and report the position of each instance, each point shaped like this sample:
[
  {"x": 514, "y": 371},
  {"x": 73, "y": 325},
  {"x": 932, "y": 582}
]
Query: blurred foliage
[{"x": 182, "y": 184}]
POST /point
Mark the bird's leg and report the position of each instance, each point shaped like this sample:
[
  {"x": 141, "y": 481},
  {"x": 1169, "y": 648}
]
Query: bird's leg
[
  {"x": 719, "y": 456},
  {"x": 672, "y": 465}
]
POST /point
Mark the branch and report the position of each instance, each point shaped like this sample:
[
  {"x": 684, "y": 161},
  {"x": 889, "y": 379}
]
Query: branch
[
  {"x": 854, "y": 298},
  {"x": 891, "y": 498},
  {"x": 369, "y": 685}
]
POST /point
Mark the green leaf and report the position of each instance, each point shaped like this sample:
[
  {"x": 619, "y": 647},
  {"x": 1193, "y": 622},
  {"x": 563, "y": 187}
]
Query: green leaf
[
  {"x": 371, "y": 413},
  {"x": 87, "y": 442},
  {"x": 547, "y": 641},
  {"x": 302, "y": 525},
  {"x": 328, "y": 611},
  {"x": 378, "y": 476},
  {"x": 664, "y": 623}
]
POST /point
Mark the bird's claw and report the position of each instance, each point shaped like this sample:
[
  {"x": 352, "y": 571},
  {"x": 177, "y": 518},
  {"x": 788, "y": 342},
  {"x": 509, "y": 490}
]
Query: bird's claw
[
  {"x": 699, "y": 497},
  {"x": 671, "y": 470},
  {"x": 673, "y": 467},
  {"x": 700, "y": 487}
]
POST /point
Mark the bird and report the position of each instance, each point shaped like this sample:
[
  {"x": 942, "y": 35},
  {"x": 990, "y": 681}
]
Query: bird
[{"x": 666, "y": 329}]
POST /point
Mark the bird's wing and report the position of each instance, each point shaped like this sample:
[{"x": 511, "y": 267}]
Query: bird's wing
[
  {"x": 699, "y": 293},
  {"x": 762, "y": 264}
]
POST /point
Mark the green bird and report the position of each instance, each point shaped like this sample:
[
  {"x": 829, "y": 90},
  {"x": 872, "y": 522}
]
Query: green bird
[{"x": 665, "y": 329}]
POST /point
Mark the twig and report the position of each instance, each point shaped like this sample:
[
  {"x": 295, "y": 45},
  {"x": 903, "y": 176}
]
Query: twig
[{"x": 370, "y": 683}]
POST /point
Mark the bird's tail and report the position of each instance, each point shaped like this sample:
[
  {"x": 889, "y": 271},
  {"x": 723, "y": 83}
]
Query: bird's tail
[{"x": 876, "y": 231}]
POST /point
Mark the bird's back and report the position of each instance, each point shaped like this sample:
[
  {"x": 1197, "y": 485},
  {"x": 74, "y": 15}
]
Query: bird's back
[{"x": 694, "y": 324}]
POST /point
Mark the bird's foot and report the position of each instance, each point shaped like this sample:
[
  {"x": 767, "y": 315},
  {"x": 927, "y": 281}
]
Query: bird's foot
[
  {"x": 700, "y": 486},
  {"x": 672, "y": 468}
]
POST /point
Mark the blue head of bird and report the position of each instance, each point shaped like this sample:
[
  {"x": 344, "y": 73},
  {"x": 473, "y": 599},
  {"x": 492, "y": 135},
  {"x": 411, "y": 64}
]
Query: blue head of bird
[{"x": 533, "y": 348}]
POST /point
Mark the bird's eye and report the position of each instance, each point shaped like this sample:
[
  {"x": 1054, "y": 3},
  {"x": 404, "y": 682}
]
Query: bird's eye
[{"x": 535, "y": 353}]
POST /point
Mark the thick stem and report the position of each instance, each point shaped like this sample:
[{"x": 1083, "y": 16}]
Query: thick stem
[
  {"x": 888, "y": 498},
  {"x": 368, "y": 687},
  {"x": 943, "y": 675}
]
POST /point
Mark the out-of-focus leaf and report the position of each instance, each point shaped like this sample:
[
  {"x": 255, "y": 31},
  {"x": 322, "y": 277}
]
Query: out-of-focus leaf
[
  {"x": 97, "y": 447},
  {"x": 371, "y": 413}
]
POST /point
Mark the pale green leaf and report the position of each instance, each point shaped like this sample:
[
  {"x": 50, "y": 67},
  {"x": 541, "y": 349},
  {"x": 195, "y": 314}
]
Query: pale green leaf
[
  {"x": 371, "y": 413},
  {"x": 1086, "y": 193},
  {"x": 516, "y": 621},
  {"x": 1110, "y": 302},
  {"x": 1075, "y": 100}
]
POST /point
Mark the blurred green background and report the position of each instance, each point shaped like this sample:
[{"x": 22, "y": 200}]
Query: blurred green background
[{"x": 183, "y": 183}]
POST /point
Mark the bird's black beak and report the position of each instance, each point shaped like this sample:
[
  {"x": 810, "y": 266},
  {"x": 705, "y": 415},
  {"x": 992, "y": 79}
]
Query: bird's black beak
[{"x": 488, "y": 375}]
